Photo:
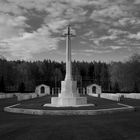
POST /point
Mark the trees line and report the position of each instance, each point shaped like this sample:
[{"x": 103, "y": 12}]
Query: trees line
[{"x": 114, "y": 77}]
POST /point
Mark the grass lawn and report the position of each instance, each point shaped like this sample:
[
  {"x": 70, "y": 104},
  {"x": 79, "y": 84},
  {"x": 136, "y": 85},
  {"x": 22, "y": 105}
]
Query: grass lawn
[
  {"x": 39, "y": 102},
  {"x": 118, "y": 126}
]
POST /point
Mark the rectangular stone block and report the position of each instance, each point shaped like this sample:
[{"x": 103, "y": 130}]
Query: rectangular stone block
[
  {"x": 68, "y": 89},
  {"x": 70, "y": 101}
]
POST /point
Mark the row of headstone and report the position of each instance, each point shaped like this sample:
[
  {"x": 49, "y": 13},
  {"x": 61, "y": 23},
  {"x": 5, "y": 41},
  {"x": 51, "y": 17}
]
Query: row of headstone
[{"x": 55, "y": 91}]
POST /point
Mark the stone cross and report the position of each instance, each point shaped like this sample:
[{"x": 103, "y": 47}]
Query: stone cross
[
  {"x": 68, "y": 36},
  {"x": 68, "y": 96}
]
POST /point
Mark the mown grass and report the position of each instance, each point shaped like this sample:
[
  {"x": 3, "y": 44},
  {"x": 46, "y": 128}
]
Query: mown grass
[
  {"x": 118, "y": 126},
  {"x": 98, "y": 104}
]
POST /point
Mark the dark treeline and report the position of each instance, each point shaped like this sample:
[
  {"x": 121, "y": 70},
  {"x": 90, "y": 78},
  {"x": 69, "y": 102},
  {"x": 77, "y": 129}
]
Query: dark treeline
[{"x": 114, "y": 77}]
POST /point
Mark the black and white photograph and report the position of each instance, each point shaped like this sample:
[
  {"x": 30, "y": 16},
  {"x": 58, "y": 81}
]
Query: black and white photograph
[{"x": 69, "y": 69}]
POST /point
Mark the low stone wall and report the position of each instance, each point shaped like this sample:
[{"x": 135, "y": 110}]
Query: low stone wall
[
  {"x": 20, "y": 96},
  {"x": 110, "y": 96},
  {"x": 117, "y": 96},
  {"x": 26, "y": 96},
  {"x": 13, "y": 109},
  {"x": 114, "y": 97},
  {"x": 6, "y": 95},
  {"x": 94, "y": 95},
  {"x": 130, "y": 95}
]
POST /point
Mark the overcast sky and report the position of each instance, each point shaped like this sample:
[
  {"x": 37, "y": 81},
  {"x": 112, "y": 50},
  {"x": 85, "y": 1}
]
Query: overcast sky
[{"x": 105, "y": 30}]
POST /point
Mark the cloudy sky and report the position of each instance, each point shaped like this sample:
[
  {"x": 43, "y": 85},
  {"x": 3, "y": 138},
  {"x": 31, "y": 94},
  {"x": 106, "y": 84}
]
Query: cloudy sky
[{"x": 105, "y": 29}]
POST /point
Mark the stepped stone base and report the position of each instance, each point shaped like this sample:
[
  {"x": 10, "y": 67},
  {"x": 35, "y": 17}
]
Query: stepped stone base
[
  {"x": 68, "y": 96},
  {"x": 68, "y": 101}
]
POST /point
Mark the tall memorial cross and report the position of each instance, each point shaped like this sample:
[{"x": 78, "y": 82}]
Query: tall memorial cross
[
  {"x": 68, "y": 36},
  {"x": 68, "y": 95}
]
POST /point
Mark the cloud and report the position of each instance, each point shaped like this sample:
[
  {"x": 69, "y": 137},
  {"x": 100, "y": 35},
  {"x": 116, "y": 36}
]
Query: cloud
[
  {"x": 129, "y": 21},
  {"x": 66, "y": 9},
  {"x": 57, "y": 18},
  {"x": 25, "y": 46},
  {"x": 107, "y": 24},
  {"x": 42, "y": 4},
  {"x": 6, "y": 7},
  {"x": 110, "y": 37},
  {"x": 83, "y": 42},
  {"x": 11, "y": 26},
  {"x": 90, "y": 52},
  {"x": 116, "y": 47},
  {"x": 122, "y": 41},
  {"x": 17, "y": 43},
  {"x": 90, "y": 33},
  {"x": 103, "y": 38},
  {"x": 117, "y": 32},
  {"x": 96, "y": 51},
  {"x": 56, "y": 24},
  {"x": 31, "y": 4},
  {"x": 134, "y": 36},
  {"x": 113, "y": 12},
  {"x": 136, "y": 1},
  {"x": 77, "y": 14},
  {"x": 56, "y": 9}
]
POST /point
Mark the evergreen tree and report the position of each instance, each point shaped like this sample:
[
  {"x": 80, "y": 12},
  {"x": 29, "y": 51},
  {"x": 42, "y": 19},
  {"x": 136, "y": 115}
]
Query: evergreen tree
[
  {"x": 136, "y": 89},
  {"x": 2, "y": 85},
  {"x": 57, "y": 77},
  {"x": 22, "y": 87},
  {"x": 104, "y": 78},
  {"x": 116, "y": 87}
]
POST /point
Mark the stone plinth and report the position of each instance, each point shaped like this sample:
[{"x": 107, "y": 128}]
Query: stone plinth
[
  {"x": 68, "y": 96},
  {"x": 68, "y": 101},
  {"x": 68, "y": 89}
]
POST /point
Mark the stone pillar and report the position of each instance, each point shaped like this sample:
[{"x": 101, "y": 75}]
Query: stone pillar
[
  {"x": 84, "y": 92},
  {"x": 52, "y": 91},
  {"x": 59, "y": 90},
  {"x": 68, "y": 56}
]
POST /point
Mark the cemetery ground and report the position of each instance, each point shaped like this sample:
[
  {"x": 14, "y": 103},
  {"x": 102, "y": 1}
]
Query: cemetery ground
[{"x": 116, "y": 126}]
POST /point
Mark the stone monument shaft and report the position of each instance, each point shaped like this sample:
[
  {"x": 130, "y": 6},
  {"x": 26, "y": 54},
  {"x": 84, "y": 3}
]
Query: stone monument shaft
[{"x": 68, "y": 54}]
